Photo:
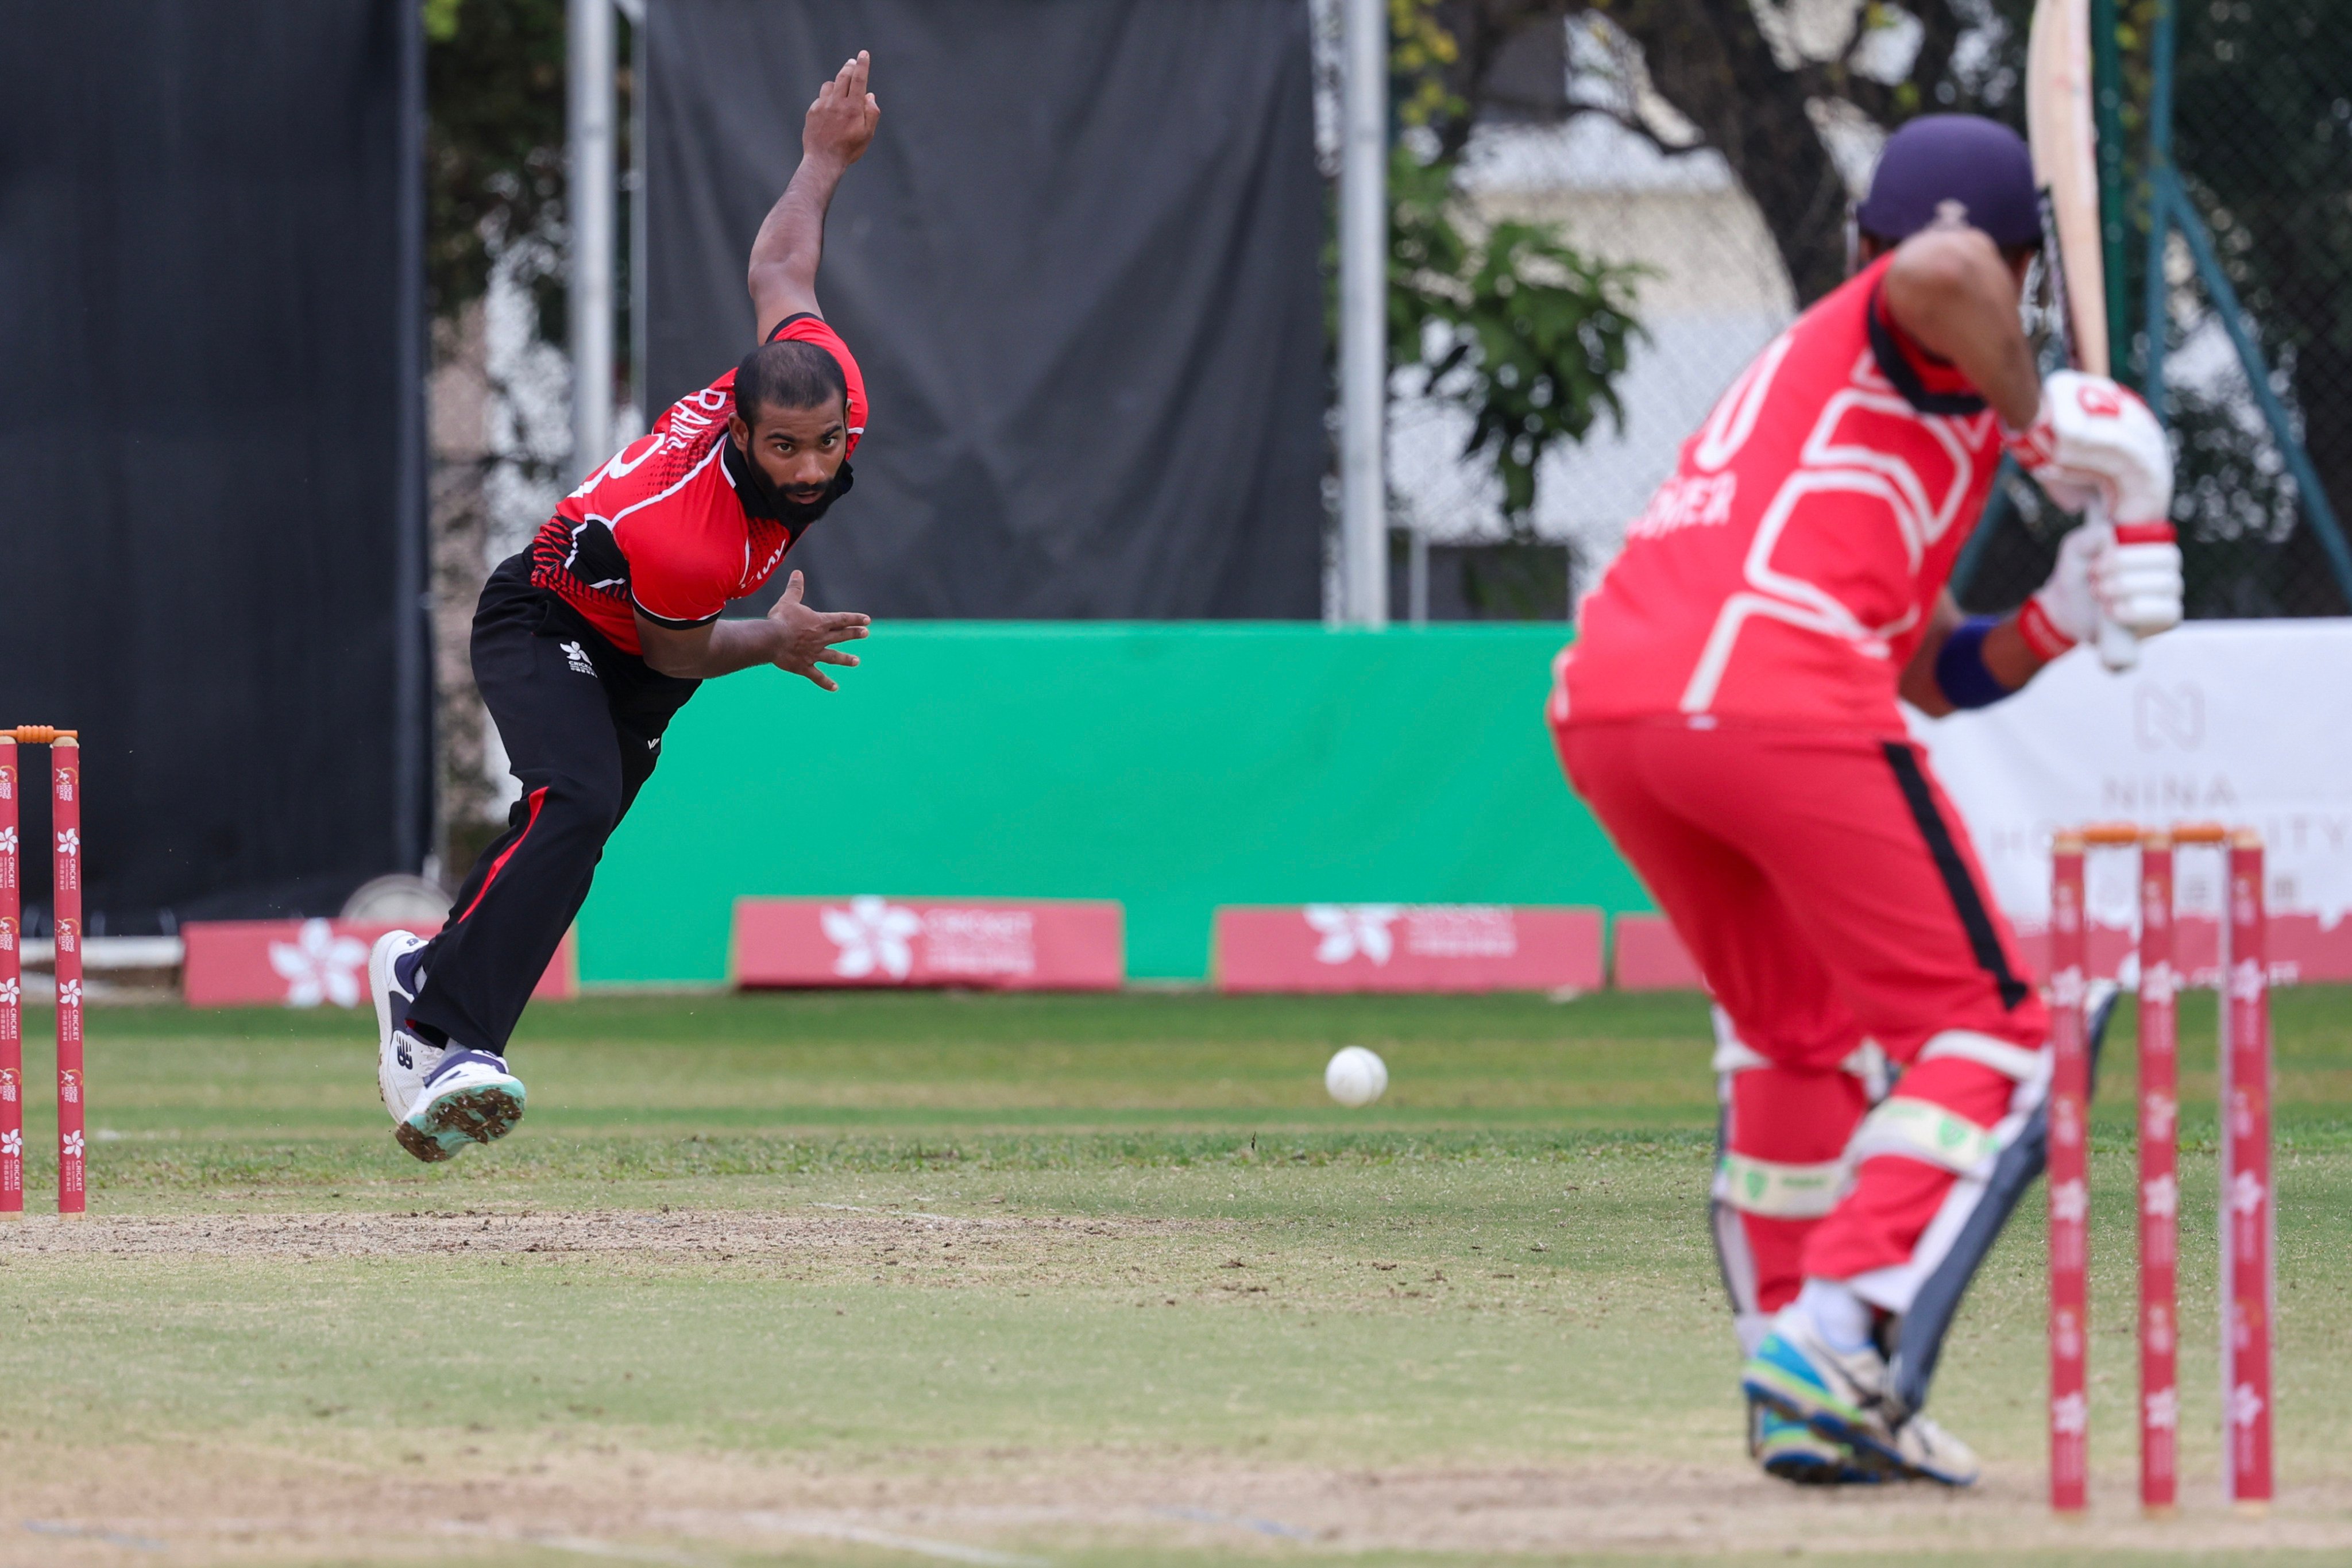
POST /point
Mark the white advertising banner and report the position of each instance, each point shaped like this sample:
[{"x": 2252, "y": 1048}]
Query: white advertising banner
[{"x": 2242, "y": 723}]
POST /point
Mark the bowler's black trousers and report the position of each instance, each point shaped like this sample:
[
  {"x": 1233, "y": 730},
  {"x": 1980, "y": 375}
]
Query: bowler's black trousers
[{"x": 582, "y": 725}]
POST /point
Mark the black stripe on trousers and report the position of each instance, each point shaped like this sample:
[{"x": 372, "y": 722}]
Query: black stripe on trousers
[{"x": 1968, "y": 900}]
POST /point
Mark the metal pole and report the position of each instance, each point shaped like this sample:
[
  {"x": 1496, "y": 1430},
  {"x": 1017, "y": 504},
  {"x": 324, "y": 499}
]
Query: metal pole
[
  {"x": 2108, "y": 99},
  {"x": 1363, "y": 313},
  {"x": 589, "y": 197},
  {"x": 637, "y": 230},
  {"x": 2159, "y": 208},
  {"x": 415, "y": 802}
]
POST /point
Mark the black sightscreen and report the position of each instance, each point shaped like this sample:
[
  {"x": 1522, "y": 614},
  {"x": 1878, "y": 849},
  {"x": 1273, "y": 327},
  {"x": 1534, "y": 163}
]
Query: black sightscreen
[
  {"x": 1078, "y": 269},
  {"x": 209, "y": 422}
]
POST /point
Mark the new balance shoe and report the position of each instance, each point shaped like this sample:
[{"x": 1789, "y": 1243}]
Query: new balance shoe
[
  {"x": 395, "y": 974},
  {"x": 468, "y": 1097},
  {"x": 1792, "y": 1451}
]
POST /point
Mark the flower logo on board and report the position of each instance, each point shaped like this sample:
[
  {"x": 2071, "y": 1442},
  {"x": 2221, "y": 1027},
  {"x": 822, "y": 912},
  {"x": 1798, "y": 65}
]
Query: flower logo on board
[
  {"x": 320, "y": 966},
  {"x": 1349, "y": 930},
  {"x": 872, "y": 934}
]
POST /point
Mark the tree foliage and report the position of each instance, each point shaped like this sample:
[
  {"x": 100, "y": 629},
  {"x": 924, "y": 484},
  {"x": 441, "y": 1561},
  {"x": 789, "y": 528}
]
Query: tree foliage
[
  {"x": 1512, "y": 324},
  {"x": 1521, "y": 331},
  {"x": 494, "y": 79},
  {"x": 1744, "y": 78}
]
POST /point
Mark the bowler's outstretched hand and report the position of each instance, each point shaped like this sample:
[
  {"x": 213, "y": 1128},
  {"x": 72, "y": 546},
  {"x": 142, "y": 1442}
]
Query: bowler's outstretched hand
[{"x": 804, "y": 638}]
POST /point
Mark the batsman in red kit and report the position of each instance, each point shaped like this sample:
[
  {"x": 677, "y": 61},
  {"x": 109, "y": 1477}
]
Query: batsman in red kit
[
  {"x": 1729, "y": 710},
  {"x": 587, "y": 642}
]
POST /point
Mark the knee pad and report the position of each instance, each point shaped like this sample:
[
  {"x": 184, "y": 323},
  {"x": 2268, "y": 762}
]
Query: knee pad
[{"x": 1964, "y": 1099}]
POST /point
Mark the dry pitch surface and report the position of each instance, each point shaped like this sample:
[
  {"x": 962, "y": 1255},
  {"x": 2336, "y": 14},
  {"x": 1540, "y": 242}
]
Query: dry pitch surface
[{"x": 893, "y": 1280}]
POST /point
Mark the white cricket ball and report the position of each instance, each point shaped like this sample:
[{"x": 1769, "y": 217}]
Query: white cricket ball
[{"x": 1356, "y": 1077}]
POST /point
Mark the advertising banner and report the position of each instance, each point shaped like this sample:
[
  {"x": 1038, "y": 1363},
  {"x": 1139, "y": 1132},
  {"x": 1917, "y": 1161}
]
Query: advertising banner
[
  {"x": 987, "y": 943},
  {"x": 305, "y": 964},
  {"x": 2247, "y": 723},
  {"x": 1407, "y": 947}
]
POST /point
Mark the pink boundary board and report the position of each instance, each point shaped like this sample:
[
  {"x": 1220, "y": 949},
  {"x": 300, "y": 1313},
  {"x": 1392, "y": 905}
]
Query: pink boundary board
[
  {"x": 997, "y": 944},
  {"x": 297, "y": 963},
  {"x": 1319, "y": 948},
  {"x": 1647, "y": 955},
  {"x": 2302, "y": 947}
]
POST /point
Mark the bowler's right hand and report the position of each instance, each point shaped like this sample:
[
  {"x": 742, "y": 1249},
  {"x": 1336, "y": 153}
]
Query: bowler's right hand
[{"x": 840, "y": 123}]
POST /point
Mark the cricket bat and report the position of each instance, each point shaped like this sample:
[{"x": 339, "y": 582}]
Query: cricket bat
[{"x": 2060, "y": 128}]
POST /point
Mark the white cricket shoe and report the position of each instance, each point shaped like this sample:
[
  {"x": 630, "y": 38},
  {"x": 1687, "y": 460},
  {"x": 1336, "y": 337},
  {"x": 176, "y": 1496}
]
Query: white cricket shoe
[
  {"x": 1840, "y": 1394},
  {"x": 402, "y": 1061},
  {"x": 468, "y": 1097}
]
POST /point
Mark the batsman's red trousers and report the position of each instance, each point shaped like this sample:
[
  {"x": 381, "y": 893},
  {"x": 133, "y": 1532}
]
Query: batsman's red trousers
[{"x": 1832, "y": 898}]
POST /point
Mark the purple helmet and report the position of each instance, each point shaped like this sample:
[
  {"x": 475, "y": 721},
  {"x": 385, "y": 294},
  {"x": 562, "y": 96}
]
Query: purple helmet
[{"x": 1978, "y": 165}]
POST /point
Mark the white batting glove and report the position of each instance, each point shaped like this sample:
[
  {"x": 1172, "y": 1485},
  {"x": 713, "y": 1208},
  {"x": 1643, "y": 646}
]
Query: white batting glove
[
  {"x": 2095, "y": 441},
  {"x": 2138, "y": 580},
  {"x": 2065, "y": 610},
  {"x": 2123, "y": 577}
]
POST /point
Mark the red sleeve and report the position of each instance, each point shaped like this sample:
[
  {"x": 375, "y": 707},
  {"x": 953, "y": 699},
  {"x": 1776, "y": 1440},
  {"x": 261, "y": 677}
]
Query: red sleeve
[
  {"x": 808, "y": 328},
  {"x": 671, "y": 581}
]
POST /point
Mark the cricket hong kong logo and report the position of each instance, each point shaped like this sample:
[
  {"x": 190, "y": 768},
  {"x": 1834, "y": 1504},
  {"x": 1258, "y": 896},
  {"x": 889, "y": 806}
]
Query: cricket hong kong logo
[
  {"x": 1351, "y": 930},
  {"x": 1461, "y": 930},
  {"x": 319, "y": 966},
  {"x": 65, "y": 784},
  {"x": 979, "y": 941},
  {"x": 8, "y": 1088},
  {"x": 872, "y": 934},
  {"x": 69, "y": 1087},
  {"x": 8, "y": 784}
]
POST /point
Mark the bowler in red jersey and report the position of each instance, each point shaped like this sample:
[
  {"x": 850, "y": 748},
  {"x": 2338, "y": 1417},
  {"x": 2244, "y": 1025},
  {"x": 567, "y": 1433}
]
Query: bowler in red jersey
[
  {"x": 1728, "y": 710},
  {"x": 587, "y": 642}
]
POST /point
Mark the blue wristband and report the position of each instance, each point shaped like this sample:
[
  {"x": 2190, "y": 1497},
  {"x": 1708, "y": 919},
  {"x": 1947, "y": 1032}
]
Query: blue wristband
[{"x": 1960, "y": 671}]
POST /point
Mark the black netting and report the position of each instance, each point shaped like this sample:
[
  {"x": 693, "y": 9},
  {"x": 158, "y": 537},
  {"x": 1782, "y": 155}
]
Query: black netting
[{"x": 2261, "y": 124}]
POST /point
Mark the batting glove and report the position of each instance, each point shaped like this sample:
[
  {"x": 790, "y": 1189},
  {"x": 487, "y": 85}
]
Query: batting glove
[
  {"x": 2065, "y": 610},
  {"x": 2095, "y": 441},
  {"x": 2138, "y": 580},
  {"x": 2128, "y": 576}
]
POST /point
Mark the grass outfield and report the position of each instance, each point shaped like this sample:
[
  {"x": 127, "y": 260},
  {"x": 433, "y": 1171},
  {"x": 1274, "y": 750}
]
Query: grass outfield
[{"x": 885, "y": 1278}]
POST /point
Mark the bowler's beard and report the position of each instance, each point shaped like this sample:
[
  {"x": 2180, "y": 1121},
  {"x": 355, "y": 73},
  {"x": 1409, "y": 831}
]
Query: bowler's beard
[{"x": 762, "y": 499}]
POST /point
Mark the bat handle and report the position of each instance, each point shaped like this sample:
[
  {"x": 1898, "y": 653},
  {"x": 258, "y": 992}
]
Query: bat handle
[{"x": 2119, "y": 647}]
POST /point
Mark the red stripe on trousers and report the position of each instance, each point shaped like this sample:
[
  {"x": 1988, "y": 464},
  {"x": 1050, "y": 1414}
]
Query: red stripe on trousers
[{"x": 499, "y": 865}]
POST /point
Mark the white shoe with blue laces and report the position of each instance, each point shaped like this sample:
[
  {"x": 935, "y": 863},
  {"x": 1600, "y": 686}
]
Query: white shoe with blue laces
[
  {"x": 440, "y": 1098},
  {"x": 402, "y": 1062}
]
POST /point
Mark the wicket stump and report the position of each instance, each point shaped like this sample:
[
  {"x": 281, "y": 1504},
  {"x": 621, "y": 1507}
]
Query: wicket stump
[
  {"x": 2248, "y": 1208},
  {"x": 65, "y": 800}
]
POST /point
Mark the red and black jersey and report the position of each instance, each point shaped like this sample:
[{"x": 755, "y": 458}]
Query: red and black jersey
[{"x": 669, "y": 529}]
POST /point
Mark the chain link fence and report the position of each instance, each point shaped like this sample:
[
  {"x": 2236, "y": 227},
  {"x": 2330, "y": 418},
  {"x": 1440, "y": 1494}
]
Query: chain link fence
[{"x": 2262, "y": 140}]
